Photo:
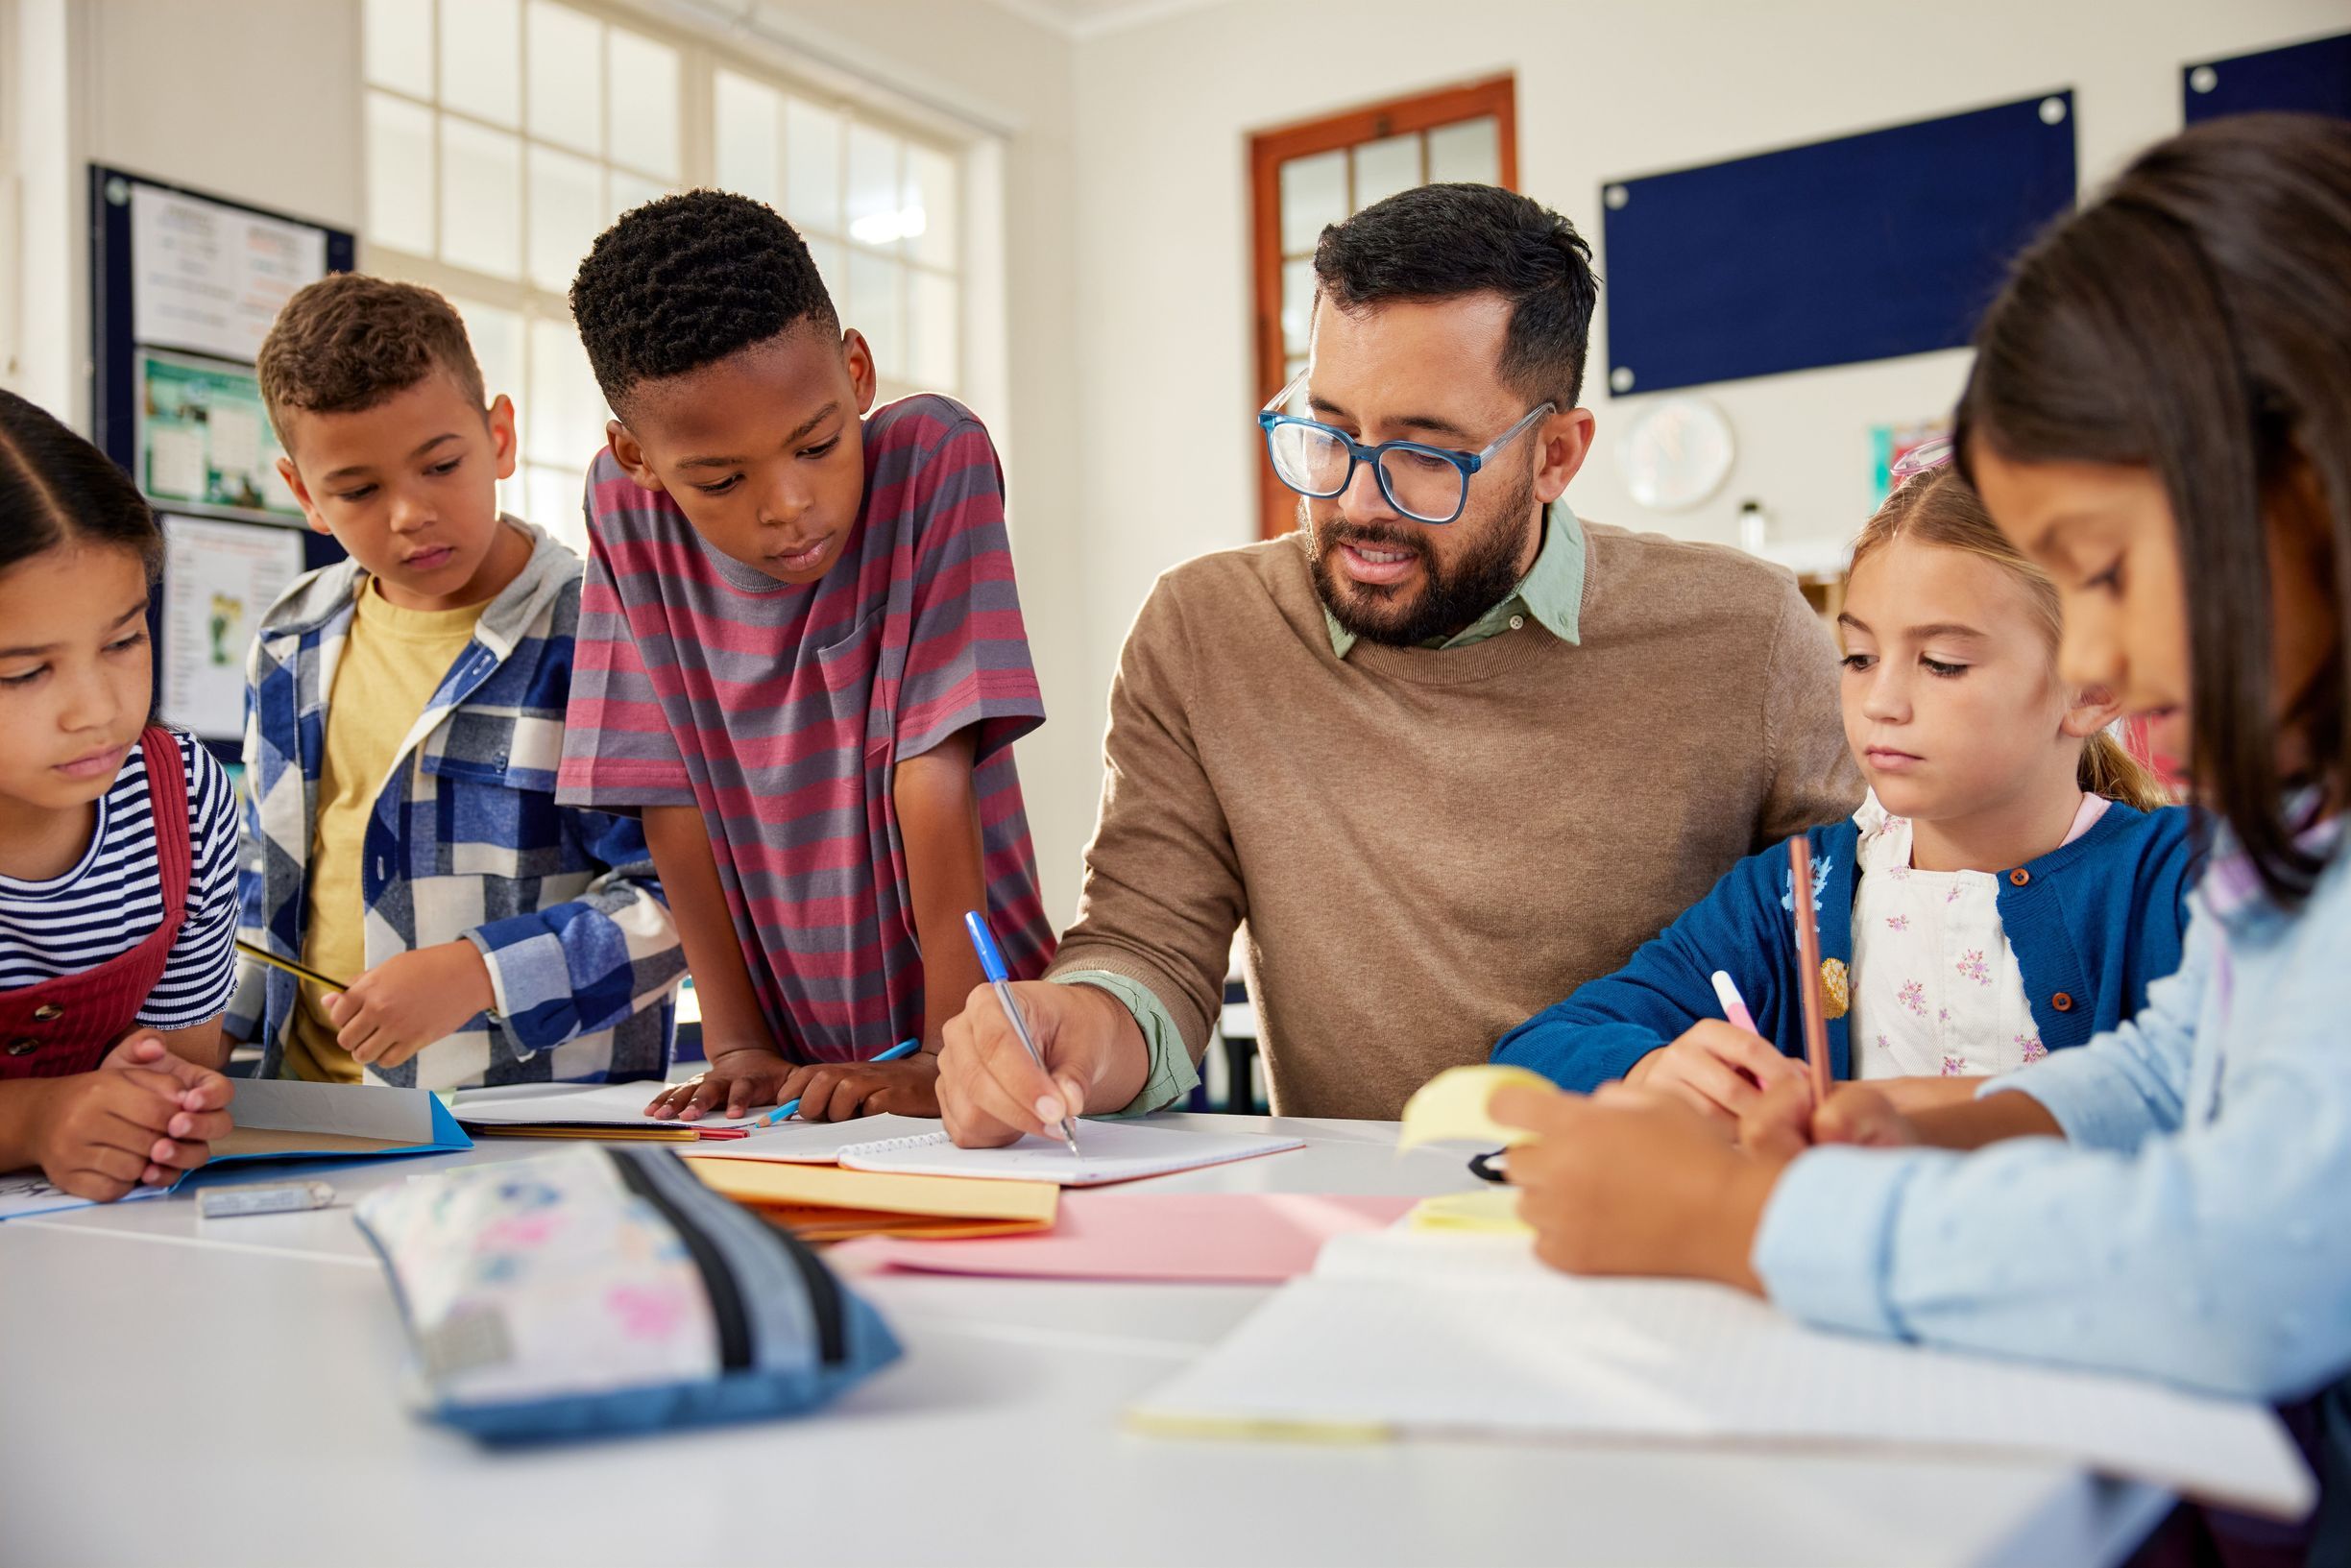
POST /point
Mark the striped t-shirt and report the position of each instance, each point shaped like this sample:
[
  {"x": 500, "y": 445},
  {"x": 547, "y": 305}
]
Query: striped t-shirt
[
  {"x": 782, "y": 709},
  {"x": 113, "y": 900}
]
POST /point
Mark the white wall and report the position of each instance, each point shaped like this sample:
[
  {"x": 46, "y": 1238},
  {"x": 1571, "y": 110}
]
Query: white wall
[{"x": 1605, "y": 89}]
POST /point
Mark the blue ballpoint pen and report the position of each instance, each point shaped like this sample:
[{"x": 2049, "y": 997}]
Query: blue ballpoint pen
[
  {"x": 898, "y": 1053},
  {"x": 992, "y": 964}
]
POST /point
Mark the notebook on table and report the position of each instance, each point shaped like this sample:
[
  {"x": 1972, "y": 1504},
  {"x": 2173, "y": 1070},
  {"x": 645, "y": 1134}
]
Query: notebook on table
[
  {"x": 1407, "y": 1333},
  {"x": 824, "y": 1203},
  {"x": 578, "y": 1110},
  {"x": 1107, "y": 1151}
]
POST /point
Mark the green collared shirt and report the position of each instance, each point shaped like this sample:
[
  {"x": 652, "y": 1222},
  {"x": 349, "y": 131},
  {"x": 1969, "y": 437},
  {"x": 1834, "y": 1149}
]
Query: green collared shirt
[{"x": 1551, "y": 595}]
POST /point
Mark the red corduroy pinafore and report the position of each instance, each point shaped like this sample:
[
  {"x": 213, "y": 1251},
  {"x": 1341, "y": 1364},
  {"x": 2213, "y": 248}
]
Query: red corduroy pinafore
[{"x": 68, "y": 1023}]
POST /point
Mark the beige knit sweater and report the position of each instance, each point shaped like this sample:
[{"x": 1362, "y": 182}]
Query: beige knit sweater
[{"x": 1427, "y": 846}]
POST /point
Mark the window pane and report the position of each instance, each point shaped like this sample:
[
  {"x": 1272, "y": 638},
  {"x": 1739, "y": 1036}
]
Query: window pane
[
  {"x": 1384, "y": 167},
  {"x": 747, "y": 120},
  {"x": 1313, "y": 194},
  {"x": 931, "y": 206},
  {"x": 811, "y": 166},
  {"x": 931, "y": 349},
  {"x": 566, "y": 77},
  {"x": 399, "y": 174},
  {"x": 1297, "y": 305},
  {"x": 398, "y": 45},
  {"x": 567, "y": 209},
  {"x": 630, "y": 191},
  {"x": 481, "y": 58},
  {"x": 553, "y": 498},
  {"x": 826, "y": 254},
  {"x": 645, "y": 105},
  {"x": 876, "y": 284},
  {"x": 1470, "y": 152},
  {"x": 873, "y": 196},
  {"x": 481, "y": 199},
  {"x": 496, "y": 336},
  {"x": 563, "y": 422}
]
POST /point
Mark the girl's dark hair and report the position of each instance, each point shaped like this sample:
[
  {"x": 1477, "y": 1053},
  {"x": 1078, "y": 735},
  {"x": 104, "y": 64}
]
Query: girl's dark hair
[
  {"x": 56, "y": 488},
  {"x": 2195, "y": 320}
]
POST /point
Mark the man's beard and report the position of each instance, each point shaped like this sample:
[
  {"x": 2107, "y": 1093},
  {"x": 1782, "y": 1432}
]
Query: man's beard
[{"x": 1449, "y": 599}]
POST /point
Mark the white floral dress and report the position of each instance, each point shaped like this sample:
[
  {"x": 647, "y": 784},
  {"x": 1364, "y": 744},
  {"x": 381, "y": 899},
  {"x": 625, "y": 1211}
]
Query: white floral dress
[{"x": 1936, "y": 990}]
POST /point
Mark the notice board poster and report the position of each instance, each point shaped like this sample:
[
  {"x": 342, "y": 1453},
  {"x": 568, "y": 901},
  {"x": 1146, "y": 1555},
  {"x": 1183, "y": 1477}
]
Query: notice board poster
[
  {"x": 211, "y": 278},
  {"x": 206, "y": 439},
  {"x": 221, "y": 577}
]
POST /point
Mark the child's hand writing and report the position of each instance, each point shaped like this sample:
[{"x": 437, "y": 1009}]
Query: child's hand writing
[
  {"x": 1783, "y": 1122},
  {"x": 409, "y": 1000},
  {"x": 735, "y": 1080},
  {"x": 143, "y": 1118},
  {"x": 1718, "y": 1068},
  {"x": 1634, "y": 1182},
  {"x": 837, "y": 1091}
]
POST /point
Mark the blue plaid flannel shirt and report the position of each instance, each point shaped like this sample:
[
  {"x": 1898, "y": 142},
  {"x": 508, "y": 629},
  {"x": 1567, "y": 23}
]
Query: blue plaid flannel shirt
[{"x": 465, "y": 842}]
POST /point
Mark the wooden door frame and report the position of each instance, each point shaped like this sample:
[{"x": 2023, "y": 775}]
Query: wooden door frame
[{"x": 1269, "y": 150}]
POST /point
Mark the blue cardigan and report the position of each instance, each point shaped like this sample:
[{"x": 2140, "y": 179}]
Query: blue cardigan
[{"x": 2093, "y": 923}]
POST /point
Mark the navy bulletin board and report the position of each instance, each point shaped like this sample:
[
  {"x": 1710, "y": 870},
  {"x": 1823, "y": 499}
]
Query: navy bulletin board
[
  {"x": 2313, "y": 78},
  {"x": 115, "y": 354},
  {"x": 1887, "y": 243}
]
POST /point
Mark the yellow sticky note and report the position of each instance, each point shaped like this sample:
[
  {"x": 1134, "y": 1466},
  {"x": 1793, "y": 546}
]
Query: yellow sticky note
[
  {"x": 1452, "y": 1106},
  {"x": 1489, "y": 1211}
]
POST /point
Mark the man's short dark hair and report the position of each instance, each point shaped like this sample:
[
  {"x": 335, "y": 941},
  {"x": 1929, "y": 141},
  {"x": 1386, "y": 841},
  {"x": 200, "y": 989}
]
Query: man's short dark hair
[
  {"x": 349, "y": 342},
  {"x": 683, "y": 281},
  {"x": 1439, "y": 242}
]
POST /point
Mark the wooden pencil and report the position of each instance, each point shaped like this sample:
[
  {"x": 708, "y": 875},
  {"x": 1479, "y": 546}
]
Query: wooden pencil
[
  {"x": 260, "y": 956},
  {"x": 1808, "y": 966}
]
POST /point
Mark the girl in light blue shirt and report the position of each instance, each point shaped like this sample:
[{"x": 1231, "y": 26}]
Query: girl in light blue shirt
[{"x": 2160, "y": 417}]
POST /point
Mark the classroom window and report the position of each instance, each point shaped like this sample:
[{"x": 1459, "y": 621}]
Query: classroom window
[
  {"x": 503, "y": 135},
  {"x": 1307, "y": 176}
]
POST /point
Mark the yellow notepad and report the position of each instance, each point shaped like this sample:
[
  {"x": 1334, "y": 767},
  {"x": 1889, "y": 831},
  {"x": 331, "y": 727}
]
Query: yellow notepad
[{"x": 824, "y": 1202}]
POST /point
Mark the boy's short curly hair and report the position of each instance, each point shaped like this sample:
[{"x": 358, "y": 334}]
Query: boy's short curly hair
[
  {"x": 688, "y": 279},
  {"x": 349, "y": 342}
]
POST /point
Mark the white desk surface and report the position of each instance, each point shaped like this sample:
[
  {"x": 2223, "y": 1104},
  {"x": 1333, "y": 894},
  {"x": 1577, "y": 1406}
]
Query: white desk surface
[{"x": 270, "y": 1345}]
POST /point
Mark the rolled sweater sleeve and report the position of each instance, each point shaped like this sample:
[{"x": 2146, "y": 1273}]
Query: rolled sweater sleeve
[{"x": 1163, "y": 894}]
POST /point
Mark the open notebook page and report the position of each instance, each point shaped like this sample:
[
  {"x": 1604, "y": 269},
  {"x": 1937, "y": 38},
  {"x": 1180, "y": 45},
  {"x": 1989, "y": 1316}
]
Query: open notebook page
[
  {"x": 1107, "y": 1151},
  {"x": 1503, "y": 1347},
  {"x": 575, "y": 1105}
]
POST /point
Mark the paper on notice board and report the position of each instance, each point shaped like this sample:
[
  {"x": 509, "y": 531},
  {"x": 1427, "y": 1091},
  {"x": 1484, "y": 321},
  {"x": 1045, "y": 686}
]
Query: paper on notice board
[
  {"x": 211, "y": 278},
  {"x": 218, "y": 577}
]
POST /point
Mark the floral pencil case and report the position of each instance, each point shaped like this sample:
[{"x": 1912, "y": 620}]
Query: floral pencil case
[{"x": 604, "y": 1289}]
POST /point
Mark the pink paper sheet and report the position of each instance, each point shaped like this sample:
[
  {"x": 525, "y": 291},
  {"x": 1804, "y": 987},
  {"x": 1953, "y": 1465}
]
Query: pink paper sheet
[{"x": 1222, "y": 1238}]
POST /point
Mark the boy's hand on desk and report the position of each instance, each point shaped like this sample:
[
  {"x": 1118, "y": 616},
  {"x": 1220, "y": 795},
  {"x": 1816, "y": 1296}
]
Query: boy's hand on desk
[
  {"x": 1719, "y": 1068},
  {"x": 142, "y": 1119},
  {"x": 736, "y": 1080},
  {"x": 837, "y": 1091},
  {"x": 409, "y": 1000},
  {"x": 1630, "y": 1182},
  {"x": 990, "y": 1090}
]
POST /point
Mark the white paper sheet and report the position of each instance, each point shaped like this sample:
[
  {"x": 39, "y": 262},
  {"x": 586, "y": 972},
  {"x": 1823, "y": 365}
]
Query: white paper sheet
[
  {"x": 1390, "y": 1335},
  {"x": 218, "y": 578}
]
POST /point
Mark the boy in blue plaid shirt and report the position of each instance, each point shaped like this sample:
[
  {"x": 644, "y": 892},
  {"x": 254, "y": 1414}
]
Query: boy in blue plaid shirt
[{"x": 403, "y": 722}]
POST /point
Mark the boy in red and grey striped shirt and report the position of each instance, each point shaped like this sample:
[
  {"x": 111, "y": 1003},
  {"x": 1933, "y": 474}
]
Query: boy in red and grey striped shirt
[{"x": 801, "y": 658}]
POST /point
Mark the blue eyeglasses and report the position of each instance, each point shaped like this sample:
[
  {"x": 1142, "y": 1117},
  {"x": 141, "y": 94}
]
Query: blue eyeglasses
[{"x": 1427, "y": 483}]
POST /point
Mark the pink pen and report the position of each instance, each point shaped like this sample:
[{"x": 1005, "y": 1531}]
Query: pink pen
[{"x": 1733, "y": 1005}]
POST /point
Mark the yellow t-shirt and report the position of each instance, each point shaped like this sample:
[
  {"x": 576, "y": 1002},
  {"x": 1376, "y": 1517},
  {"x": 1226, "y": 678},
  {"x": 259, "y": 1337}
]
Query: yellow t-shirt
[{"x": 392, "y": 661}]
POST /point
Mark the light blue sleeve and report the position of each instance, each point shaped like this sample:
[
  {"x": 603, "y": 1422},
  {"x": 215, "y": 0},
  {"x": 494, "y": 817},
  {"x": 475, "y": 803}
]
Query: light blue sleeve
[
  {"x": 2215, "y": 1256},
  {"x": 1171, "y": 1075},
  {"x": 2130, "y": 1083}
]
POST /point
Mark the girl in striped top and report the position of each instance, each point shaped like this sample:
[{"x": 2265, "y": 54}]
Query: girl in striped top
[{"x": 117, "y": 842}]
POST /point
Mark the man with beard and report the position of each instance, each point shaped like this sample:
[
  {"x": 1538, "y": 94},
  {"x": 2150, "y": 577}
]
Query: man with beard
[{"x": 1446, "y": 750}]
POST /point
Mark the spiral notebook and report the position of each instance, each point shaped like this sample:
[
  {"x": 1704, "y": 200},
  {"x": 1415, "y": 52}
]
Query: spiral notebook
[{"x": 1107, "y": 1151}]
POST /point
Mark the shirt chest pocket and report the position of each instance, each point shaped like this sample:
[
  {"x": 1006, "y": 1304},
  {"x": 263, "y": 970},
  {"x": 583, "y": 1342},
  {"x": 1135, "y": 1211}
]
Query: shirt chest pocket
[
  {"x": 493, "y": 815},
  {"x": 856, "y": 691}
]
